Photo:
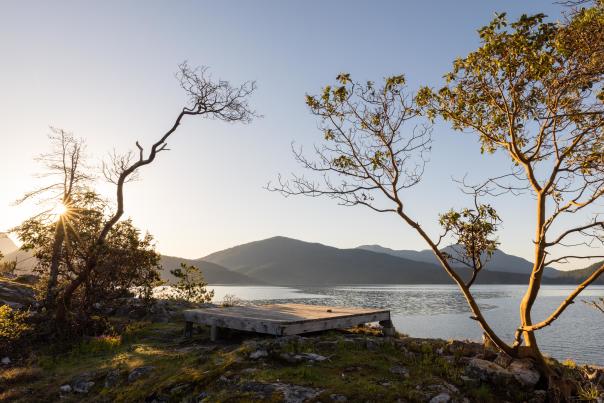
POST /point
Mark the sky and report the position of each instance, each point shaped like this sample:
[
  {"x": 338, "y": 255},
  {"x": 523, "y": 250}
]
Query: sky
[{"x": 105, "y": 71}]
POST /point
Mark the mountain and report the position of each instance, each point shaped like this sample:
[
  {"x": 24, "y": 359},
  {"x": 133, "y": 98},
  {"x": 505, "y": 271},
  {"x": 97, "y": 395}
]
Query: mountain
[
  {"x": 212, "y": 273},
  {"x": 500, "y": 261},
  {"x": 286, "y": 261},
  {"x": 578, "y": 276},
  {"x": 6, "y": 244}
]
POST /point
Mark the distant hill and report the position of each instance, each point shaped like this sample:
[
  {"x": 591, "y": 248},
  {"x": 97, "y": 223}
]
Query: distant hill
[
  {"x": 500, "y": 261},
  {"x": 213, "y": 273},
  {"x": 286, "y": 261},
  {"x": 578, "y": 276},
  {"x": 6, "y": 244}
]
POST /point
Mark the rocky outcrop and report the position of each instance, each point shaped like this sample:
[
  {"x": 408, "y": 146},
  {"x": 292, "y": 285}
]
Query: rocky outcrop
[
  {"x": 16, "y": 295},
  {"x": 521, "y": 372}
]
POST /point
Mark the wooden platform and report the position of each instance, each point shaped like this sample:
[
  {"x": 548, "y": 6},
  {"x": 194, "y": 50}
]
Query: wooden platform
[{"x": 286, "y": 319}]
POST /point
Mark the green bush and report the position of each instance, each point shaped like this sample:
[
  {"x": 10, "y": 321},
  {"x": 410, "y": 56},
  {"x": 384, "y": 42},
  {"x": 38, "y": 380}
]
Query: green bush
[{"x": 13, "y": 328}]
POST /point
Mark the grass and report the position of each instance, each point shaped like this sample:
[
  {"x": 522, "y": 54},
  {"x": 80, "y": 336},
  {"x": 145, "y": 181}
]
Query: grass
[{"x": 358, "y": 366}]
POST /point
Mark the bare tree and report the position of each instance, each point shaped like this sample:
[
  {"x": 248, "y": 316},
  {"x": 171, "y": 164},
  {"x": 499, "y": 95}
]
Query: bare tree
[
  {"x": 66, "y": 174},
  {"x": 208, "y": 98}
]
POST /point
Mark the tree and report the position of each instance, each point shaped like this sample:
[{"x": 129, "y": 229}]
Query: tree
[
  {"x": 191, "y": 285},
  {"x": 212, "y": 99},
  {"x": 533, "y": 90},
  {"x": 128, "y": 261},
  {"x": 369, "y": 158},
  {"x": 65, "y": 174}
]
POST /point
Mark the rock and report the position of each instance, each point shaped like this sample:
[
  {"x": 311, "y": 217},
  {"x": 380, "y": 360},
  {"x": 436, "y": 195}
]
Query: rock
[
  {"x": 82, "y": 386},
  {"x": 441, "y": 398},
  {"x": 524, "y": 372},
  {"x": 258, "y": 354},
  {"x": 291, "y": 393},
  {"x": 202, "y": 396},
  {"x": 399, "y": 370},
  {"x": 65, "y": 389},
  {"x": 338, "y": 398},
  {"x": 313, "y": 357},
  {"x": 139, "y": 372},
  {"x": 503, "y": 360},
  {"x": 465, "y": 349},
  {"x": 16, "y": 295},
  {"x": 5, "y": 361},
  {"x": 489, "y": 371}
]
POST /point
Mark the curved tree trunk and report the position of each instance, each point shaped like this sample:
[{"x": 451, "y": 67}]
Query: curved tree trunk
[{"x": 526, "y": 305}]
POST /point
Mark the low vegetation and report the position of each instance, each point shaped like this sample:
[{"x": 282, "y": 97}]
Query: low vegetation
[{"x": 150, "y": 361}]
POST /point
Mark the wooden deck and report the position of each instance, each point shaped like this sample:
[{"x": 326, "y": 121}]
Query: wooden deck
[{"x": 285, "y": 319}]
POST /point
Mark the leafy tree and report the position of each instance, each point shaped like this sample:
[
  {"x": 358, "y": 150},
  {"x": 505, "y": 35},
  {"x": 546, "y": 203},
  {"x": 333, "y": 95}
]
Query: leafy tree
[
  {"x": 127, "y": 261},
  {"x": 533, "y": 90},
  {"x": 191, "y": 285}
]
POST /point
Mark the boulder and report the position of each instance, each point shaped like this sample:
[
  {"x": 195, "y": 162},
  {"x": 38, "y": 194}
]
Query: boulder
[
  {"x": 503, "y": 360},
  {"x": 16, "y": 295},
  {"x": 258, "y": 354},
  {"x": 82, "y": 386},
  {"x": 400, "y": 371},
  {"x": 65, "y": 389},
  {"x": 524, "y": 372},
  {"x": 140, "y": 372},
  {"x": 441, "y": 398},
  {"x": 489, "y": 371}
]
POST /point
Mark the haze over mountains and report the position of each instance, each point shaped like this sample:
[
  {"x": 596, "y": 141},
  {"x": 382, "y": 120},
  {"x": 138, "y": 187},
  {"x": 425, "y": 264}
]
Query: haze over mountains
[
  {"x": 500, "y": 261},
  {"x": 290, "y": 262}
]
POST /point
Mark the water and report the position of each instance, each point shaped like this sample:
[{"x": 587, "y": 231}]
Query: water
[{"x": 439, "y": 311}]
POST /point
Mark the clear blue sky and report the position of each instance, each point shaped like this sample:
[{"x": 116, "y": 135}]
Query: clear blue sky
[{"x": 105, "y": 70}]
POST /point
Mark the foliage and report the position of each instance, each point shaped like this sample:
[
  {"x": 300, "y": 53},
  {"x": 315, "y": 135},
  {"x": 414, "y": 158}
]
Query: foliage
[
  {"x": 14, "y": 328},
  {"x": 230, "y": 300},
  {"x": 473, "y": 234},
  {"x": 534, "y": 90},
  {"x": 126, "y": 261},
  {"x": 191, "y": 285}
]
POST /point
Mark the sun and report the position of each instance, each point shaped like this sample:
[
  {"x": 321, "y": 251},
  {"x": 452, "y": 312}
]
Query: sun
[{"x": 59, "y": 209}]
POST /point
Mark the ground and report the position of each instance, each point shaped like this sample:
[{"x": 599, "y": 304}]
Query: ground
[{"x": 155, "y": 362}]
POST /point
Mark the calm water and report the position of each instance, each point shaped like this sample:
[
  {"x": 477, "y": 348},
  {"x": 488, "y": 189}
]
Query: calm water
[{"x": 440, "y": 311}]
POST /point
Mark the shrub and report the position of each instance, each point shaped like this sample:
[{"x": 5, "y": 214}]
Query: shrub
[
  {"x": 191, "y": 285},
  {"x": 13, "y": 328}
]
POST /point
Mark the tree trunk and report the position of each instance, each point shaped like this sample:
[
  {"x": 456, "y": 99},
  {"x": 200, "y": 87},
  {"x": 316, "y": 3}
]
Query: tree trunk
[
  {"x": 54, "y": 263},
  {"x": 526, "y": 305}
]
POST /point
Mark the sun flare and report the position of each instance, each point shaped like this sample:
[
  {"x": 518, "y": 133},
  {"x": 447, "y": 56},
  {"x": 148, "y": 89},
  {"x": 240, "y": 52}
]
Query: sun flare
[{"x": 59, "y": 210}]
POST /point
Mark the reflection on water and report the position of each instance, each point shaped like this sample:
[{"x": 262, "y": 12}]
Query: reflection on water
[{"x": 441, "y": 311}]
